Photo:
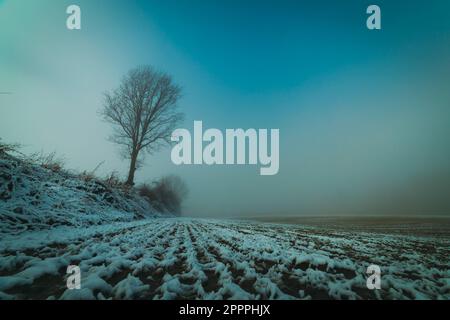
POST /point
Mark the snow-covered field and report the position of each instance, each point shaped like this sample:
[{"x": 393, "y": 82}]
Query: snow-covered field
[
  {"x": 176, "y": 258},
  {"x": 50, "y": 220}
]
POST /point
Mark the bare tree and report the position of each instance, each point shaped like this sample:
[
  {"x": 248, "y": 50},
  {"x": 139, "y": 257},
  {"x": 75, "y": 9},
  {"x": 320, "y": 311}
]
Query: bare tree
[{"x": 143, "y": 111}]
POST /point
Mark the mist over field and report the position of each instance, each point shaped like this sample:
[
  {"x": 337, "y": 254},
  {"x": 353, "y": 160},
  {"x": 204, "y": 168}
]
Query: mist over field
[
  {"x": 223, "y": 150},
  {"x": 363, "y": 116}
]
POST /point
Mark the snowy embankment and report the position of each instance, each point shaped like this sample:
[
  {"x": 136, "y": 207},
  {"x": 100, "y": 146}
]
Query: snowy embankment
[
  {"x": 35, "y": 198},
  {"x": 51, "y": 220}
]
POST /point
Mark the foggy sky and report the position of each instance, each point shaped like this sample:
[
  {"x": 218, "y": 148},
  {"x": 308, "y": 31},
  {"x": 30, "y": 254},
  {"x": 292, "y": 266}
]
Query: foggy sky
[{"x": 363, "y": 115}]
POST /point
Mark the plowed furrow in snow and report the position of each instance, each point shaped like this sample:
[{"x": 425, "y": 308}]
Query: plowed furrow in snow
[{"x": 214, "y": 259}]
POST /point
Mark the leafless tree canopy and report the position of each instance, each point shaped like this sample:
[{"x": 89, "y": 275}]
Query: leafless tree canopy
[{"x": 143, "y": 111}]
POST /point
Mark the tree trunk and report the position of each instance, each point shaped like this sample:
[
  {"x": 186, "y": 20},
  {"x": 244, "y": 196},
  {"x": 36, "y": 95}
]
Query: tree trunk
[{"x": 130, "y": 180}]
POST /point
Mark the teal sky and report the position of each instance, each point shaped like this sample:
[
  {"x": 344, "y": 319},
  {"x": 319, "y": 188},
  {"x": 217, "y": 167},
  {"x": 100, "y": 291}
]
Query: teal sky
[{"x": 364, "y": 116}]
